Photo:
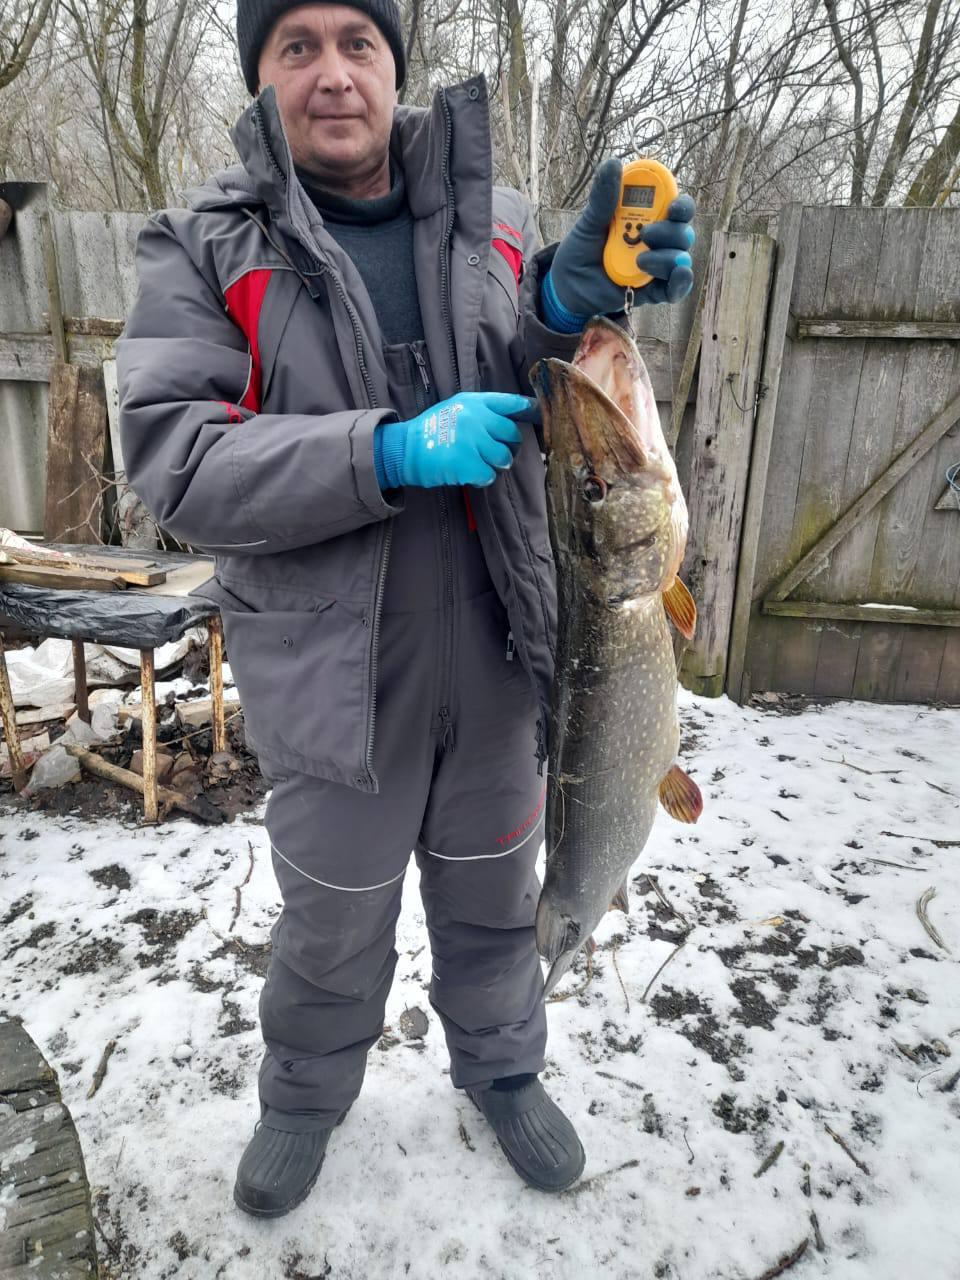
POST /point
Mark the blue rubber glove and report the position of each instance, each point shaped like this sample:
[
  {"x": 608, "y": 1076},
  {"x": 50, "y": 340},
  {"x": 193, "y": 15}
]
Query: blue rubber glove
[
  {"x": 464, "y": 440},
  {"x": 577, "y": 287}
]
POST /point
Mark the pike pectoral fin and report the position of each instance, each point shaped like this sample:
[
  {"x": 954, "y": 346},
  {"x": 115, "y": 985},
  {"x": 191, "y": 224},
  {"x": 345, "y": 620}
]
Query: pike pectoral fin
[
  {"x": 680, "y": 608},
  {"x": 621, "y": 900},
  {"x": 680, "y": 795}
]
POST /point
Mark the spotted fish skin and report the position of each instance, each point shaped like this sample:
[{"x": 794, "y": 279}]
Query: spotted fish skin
[{"x": 618, "y": 525}]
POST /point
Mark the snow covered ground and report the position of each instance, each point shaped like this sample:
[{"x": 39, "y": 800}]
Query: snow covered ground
[{"x": 805, "y": 968}]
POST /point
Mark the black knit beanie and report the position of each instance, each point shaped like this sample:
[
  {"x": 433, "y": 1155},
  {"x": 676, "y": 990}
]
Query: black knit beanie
[{"x": 255, "y": 19}]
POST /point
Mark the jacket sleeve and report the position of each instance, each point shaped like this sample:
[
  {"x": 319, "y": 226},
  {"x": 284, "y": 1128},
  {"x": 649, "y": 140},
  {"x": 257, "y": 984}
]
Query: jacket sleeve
[
  {"x": 538, "y": 341},
  {"x": 217, "y": 475}
]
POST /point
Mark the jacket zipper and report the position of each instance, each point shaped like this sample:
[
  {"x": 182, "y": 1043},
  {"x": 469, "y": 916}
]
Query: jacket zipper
[
  {"x": 447, "y": 737},
  {"x": 445, "y": 240},
  {"x": 447, "y": 741},
  {"x": 387, "y": 535},
  {"x": 448, "y": 323}
]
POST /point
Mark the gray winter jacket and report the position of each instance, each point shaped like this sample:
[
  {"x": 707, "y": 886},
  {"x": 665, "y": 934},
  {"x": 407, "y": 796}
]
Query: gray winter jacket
[{"x": 252, "y": 378}]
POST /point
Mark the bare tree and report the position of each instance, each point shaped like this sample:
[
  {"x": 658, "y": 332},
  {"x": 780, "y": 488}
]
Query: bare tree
[{"x": 21, "y": 22}]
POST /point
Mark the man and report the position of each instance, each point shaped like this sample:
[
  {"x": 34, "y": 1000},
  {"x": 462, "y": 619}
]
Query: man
[{"x": 322, "y": 382}]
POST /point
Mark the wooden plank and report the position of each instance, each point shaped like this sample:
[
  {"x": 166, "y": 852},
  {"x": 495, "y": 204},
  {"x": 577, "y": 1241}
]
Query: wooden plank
[
  {"x": 29, "y": 357},
  {"x": 927, "y": 562},
  {"x": 948, "y": 685},
  {"x": 846, "y": 574},
  {"x": 76, "y": 453},
  {"x": 915, "y": 559},
  {"x": 149, "y": 722},
  {"x": 80, "y": 681},
  {"x": 903, "y": 614},
  {"x": 910, "y": 329},
  {"x": 878, "y": 660},
  {"x": 833, "y": 408},
  {"x": 920, "y": 664},
  {"x": 48, "y": 1231},
  {"x": 11, "y": 733},
  {"x": 215, "y": 634},
  {"x": 64, "y": 579},
  {"x": 52, "y": 269},
  {"x": 734, "y": 317},
  {"x": 692, "y": 353},
  {"x": 133, "y": 573},
  {"x": 788, "y": 240},
  {"x": 930, "y": 435}
]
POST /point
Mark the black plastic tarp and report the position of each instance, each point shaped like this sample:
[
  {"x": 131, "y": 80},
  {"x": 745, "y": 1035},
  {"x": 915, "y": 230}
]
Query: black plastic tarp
[{"x": 138, "y": 619}]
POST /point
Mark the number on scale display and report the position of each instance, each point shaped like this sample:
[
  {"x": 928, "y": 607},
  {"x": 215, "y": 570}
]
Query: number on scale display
[{"x": 639, "y": 197}]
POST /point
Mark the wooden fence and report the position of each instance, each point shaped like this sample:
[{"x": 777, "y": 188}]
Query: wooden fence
[{"x": 848, "y": 566}]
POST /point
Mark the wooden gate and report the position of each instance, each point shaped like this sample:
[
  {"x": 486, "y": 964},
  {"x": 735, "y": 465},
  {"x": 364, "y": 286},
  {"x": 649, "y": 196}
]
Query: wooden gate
[{"x": 849, "y": 572}]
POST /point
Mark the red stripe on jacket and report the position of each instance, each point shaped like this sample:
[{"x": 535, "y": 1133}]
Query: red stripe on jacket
[
  {"x": 505, "y": 226},
  {"x": 512, "y": 255},
  {"x": 244, "y": 299}
]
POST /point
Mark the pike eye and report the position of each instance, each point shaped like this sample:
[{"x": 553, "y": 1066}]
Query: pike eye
[
  {"x": 594, "y": 489},
  {"x": 648, "y": 541}
]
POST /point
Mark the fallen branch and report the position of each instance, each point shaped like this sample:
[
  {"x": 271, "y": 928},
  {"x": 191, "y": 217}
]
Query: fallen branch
[
  {"x": 903, "y": 866},
  {"x": 465, "y": 1137},
  {"x": 649, "y": 988},
  {"x": 872, "y": 772},
  {"x": 588, "y": 1182},
  {"x": 170, "y": 799},
  {"x": 655, "y": 885},
  {"x": 616, "y": 969},
  {"x": 908, "y": 1053},
  {"x": 817, "y": 1237},
  {"x": 239, "y": 887},
  {"x": 840, "y": 1143},
  {"x": 101, "y": 1071},
  {"x": 786, "y": 1262},
  {"x": 939, "y": 844},
  {"x": 771, "y": 1159},
  {"x": 608, "y": 1075},
  {"x": 926, "y": 897}
]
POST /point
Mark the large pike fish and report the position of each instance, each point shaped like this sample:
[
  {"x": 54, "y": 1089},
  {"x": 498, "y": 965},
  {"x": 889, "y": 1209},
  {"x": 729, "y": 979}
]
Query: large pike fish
[{"x": 618, "y": 527}]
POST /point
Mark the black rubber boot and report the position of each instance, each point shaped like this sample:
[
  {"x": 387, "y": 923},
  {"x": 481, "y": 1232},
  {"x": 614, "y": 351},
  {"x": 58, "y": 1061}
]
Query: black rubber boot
[
  {"x": 536, "y": 1137},
  {"x": 277, "y": 1171}
]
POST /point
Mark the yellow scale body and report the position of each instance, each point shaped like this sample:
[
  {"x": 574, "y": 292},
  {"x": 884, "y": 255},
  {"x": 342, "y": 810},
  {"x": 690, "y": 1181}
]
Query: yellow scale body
[{"x": 646, "y": 189}]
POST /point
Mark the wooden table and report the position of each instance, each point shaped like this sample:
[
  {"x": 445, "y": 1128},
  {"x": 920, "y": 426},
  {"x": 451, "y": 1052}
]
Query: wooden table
[{"x": 85, "y": 614}]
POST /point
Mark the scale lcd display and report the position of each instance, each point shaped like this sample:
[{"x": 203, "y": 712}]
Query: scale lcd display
[{"x": 639, "y": 197}]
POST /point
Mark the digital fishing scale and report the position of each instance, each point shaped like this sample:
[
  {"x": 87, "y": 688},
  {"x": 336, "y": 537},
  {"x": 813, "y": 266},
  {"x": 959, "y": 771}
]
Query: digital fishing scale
[{"x": 646, "y": 190}]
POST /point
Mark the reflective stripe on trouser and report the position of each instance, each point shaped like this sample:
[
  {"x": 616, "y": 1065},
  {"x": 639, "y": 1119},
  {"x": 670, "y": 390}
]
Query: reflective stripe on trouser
[{"x": 473, "y": 814}]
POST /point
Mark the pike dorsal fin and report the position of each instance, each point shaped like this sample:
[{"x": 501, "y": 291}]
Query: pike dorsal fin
[
  {"x": 680, "y": 608},
  {"x": 680, "y": 795},
  {"x": 621, "y": 900}
]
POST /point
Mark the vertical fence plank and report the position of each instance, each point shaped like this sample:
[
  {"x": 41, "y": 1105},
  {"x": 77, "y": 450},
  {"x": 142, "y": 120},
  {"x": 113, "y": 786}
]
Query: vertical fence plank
[
  {"x": 788, "y": 240},
  {"x": 76, "y": 454},
  {"x": 734, "y": 319}
]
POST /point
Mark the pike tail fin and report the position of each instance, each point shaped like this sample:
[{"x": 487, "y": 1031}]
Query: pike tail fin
[{"x": 680, "y": 795}]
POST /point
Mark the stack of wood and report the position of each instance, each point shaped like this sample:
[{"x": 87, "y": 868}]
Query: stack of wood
[{"x": 20, "y": 561}]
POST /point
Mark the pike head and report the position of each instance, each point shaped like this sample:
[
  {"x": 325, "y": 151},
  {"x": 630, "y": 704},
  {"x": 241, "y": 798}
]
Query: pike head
[{"x": 615, "y": 502}]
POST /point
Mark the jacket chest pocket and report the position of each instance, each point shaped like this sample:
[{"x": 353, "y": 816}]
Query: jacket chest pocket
[{"x": 301, "y": 367}]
